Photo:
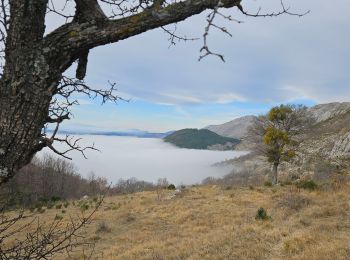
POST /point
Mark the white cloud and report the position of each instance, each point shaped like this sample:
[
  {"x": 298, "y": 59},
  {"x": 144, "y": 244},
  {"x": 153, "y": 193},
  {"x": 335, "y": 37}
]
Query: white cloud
[
  {"x": 321, "y": 93},
  {"x": 229, "y": 98},
  {"x": 181, "y": 98}
]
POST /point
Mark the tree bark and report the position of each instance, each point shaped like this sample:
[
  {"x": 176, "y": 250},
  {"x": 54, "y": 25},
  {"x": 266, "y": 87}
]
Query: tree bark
[
  {"x": 24, "y": 95},
  {"x": 275, "y": 173}
]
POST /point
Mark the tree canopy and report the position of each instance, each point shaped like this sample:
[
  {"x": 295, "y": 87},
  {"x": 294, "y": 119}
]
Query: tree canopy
[{"x": 278, "y": 132}]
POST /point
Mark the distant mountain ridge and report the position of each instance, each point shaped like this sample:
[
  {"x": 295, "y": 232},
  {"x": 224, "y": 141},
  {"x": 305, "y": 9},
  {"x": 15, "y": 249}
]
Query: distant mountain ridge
[
  {"x": 238, "y": 127},
  {"x": 133, "y": 133},
  {"x": 200, "y": 139}
]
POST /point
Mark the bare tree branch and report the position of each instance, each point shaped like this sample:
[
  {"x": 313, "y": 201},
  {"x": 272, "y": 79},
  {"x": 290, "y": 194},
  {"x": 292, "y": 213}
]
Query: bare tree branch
[
  {"x": 284, "y": 10},
  {"x": 43, "y": 240}
]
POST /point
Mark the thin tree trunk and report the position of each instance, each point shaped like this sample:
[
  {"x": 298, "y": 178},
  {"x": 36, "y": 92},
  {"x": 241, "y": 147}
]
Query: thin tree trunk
[{"x": 275, "y": 174}]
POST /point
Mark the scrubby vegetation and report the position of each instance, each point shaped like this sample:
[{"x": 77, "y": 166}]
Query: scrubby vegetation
[
  {"x": 50, "y": 182},
  {"x": 261, "y": 214},
  {"x": 307, "y": 184}
]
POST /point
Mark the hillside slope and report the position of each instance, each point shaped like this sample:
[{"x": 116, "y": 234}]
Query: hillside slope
[
  {"x": 236, "y": 128},
  {"x": 214, "y": 223},
  {"x": 323, "y": 149},
  {"x": 330, "y": 138},
  {"x": 323, "y": 112},
  {"x": 200, "y": 139}
]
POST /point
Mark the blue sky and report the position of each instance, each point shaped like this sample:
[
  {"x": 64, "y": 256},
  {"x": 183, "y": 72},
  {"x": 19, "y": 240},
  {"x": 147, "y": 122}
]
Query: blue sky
[{"x": 268, "y": 61}]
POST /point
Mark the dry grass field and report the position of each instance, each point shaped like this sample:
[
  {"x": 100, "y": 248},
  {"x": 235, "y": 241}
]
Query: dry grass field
[{"x": 207, "y": 222}]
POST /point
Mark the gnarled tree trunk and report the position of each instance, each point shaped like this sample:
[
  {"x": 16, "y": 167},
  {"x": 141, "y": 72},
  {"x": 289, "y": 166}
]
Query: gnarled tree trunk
[{"x": 24, "y": 87}]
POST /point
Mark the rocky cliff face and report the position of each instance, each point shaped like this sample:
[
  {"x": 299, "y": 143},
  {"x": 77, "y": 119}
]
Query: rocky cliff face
[
  {"x": 330, "y": 137},
  {"x": 324, "y": 112},
  {"x": 341, "y": 147}
]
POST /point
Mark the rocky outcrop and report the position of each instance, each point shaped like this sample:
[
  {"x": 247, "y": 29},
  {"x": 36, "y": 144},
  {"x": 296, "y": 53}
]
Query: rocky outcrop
[
  {"x": 324, "y": 112},
  {"x": 222, "y": 147},
  {"x": 341, "y": 147}
]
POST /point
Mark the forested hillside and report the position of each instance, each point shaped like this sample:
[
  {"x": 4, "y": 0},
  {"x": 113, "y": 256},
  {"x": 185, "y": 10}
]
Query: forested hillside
[
  {"x": 50, "y": 179},
  {"x": 200, "y": 139}
]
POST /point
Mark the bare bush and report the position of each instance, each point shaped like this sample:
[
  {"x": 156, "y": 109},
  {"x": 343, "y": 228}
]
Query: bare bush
[
  {"x": 162, "y": 185},
  {"x": 131, "y": 185},
  {"x": 293, "y": 200},
  {"x": 102, "y": 227},
  {"x": 25, "y": 236},
  {"x": 50, "y": 179},
  {"x": 323, "y": 170}
]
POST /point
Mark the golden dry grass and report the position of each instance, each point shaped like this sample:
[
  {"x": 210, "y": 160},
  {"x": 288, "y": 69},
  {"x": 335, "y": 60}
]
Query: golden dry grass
[{"x": 209, "y": 223}]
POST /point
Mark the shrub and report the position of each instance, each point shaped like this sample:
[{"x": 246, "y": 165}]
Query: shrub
[
  {"x": 41, "y": 210},
  {"x": 95, "y": 238},
  {"x": 130, "y": 218},
  {"x": 115, "y": 207},
  {"x": 38, "y": 205},
  {"x": 261, "y": 214},
  {"x": 103, "y": 227},
  {"x": 95, "y": 199},
  {"x": 268, "y": 183},
  {"x": 58, "y": 217},
  {"x": 323, "y": 170},
  {"x": 55, "y": 198},
  {"x": 66, "y": 204},
  {"x": 84, "y": 207},
  {"x": 64, "y": 211},
  {"x": 50, "y": 205},
  {"x": 171, "y": 187},
  {"x": 58, "y": 206},
  {"x": 293, "y": 200},
  {"x": 294, "y": 177},
  {"x": 43, "y": 200},
  {"x": 286, "y": 183},
  {"x": 307, "y": 185}
]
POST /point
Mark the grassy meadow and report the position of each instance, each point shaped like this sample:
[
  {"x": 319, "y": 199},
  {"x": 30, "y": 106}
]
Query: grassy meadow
[{"x": 213, "y": 222}]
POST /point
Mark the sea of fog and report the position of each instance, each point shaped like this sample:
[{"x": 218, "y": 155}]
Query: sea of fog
[{"x": 147, "y": 159}]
